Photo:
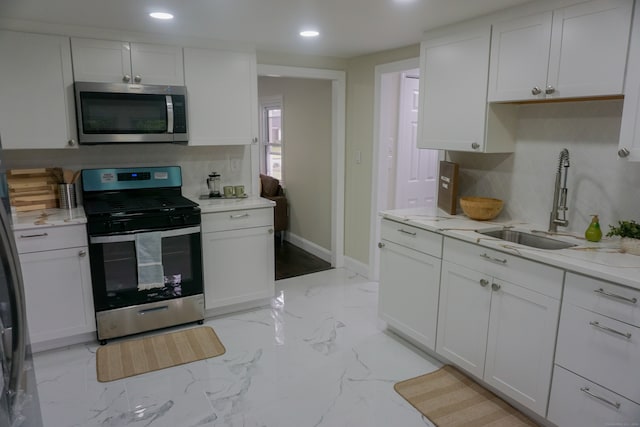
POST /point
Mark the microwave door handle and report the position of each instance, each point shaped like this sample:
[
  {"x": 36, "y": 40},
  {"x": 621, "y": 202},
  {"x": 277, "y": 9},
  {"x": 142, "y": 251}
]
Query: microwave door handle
[{"x": 169, "y": 101}]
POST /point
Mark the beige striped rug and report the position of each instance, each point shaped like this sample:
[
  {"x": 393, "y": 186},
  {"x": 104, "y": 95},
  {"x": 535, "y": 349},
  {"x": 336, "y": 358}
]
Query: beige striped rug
[
  {"x": 451, "y": 399},
  {"x": 125, "y": 359}
]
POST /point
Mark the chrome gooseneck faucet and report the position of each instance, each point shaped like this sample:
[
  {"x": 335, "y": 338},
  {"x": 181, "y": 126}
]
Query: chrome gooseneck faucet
[{"x": 559, "y": 209}]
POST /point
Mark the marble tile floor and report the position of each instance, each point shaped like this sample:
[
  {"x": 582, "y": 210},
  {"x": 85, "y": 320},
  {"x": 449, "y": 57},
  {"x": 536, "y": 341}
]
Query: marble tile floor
[{"x": 318, "y": 356}]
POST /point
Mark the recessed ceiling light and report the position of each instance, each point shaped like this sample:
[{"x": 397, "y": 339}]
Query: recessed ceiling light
[
  {"x": 161, "y": 15},
  {"x": 309, "y": 33}
]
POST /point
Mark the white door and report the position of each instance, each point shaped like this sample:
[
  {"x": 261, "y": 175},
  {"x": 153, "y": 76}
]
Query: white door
[
  {"x": 463, "y": 317},
  {"x": 415, "y": 168},
  {"x": 106, "y": 61},
  {"x": 409, "y": 287},
  {"x": 521, "y": 340}
]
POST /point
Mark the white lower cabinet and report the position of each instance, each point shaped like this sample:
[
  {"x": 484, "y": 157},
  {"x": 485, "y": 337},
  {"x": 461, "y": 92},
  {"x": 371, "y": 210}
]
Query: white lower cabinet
[
  {"x": 500, "y": 331},
  {"x": 57, "y": 283},
  {"x": 577, "y": 402},
  {"x": 598, "y": 348},
  {"x": 409, "y": 282},
  {"x": 238, "y": 258}
]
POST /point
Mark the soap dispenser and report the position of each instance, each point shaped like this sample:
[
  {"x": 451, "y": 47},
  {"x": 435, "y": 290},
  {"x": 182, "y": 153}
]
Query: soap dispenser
[{"x": 593, "y": 233}]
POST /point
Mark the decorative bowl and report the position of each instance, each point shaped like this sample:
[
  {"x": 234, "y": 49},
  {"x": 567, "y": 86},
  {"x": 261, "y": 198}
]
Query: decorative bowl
[{"x": 481, "y": 208}]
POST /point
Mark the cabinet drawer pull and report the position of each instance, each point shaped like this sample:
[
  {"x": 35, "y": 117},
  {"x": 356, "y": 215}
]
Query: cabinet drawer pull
[
  {"x": 411, "y": 233},
  {"x": 490, "y": 258},
  {"x": 28, "y": 236},
  {"x": 626, "y": 335},
  {"x": 614, "y": 296},
  {"x": 244, "y": 215},
  {"x": 602, "y": 399}
]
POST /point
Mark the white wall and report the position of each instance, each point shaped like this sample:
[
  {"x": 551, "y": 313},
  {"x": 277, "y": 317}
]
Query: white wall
[
  {"x": 307, "y": 154},
  {"x": 196, "y": 162},
  {"x": 598, "y": 181}
]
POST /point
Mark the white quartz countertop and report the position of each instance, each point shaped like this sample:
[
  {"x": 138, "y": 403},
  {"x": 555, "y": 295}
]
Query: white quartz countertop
[
  {"x": 48, "y": 218},
  {"x": 224, "y": 205},
  {"x": 602, "y": 260}
]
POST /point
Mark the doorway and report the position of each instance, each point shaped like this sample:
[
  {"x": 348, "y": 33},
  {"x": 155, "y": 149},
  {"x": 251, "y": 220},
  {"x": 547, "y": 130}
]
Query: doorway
[{"x": 403, "y": 175}]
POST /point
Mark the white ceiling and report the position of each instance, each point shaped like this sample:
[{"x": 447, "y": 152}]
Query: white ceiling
[{"x": 348, "y": 27}]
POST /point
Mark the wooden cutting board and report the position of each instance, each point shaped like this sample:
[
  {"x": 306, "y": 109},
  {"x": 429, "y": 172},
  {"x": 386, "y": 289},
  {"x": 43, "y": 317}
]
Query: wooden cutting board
[
  {"x": 32, "y": 189},
  {"x": 448, "y": 187}
]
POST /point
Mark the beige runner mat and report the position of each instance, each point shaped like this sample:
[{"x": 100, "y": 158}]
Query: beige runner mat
[
  {"x": 451, "y": 399},
  {"x": 124, "y": 359}
]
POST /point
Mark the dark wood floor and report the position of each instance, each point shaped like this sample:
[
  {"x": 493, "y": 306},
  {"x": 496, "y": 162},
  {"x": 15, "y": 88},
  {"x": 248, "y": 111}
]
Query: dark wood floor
[{"x": 292, "y": 261}]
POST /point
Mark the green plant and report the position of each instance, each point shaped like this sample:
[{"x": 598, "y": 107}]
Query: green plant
[{"x": 629, "y": 229}]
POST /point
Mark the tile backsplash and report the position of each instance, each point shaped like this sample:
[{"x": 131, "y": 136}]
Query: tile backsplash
[
  {"x": 598, "y": 181},
  {"x": 232, "y": 162}
]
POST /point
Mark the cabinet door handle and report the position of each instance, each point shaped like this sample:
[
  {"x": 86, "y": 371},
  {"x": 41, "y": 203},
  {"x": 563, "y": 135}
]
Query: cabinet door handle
[
  {"x": 536, "y": 91},
  {"x": 126, "y": 78},
  {"x": 495, "y": 287},
  {"x": 410, "y": 233},
  {"x": 475, "y": 145},
  {"x": 615, "y": 296},
  {"x": 244, "y": 215},
  {"x": 626, "y": 335},
  {"x": 492, "y": 259},
  {"x": 381, "y": 245},
  {"x": 623, "y": 152},
  {"x": 600, "y": 398},
  {"x": 549, "y": 90},
  {"x": 484, "y": 283},
  {"x": 28, "y": 236},
  {"x": 271, "y": 231},
  {"x": 137, "y": 78},
  {"x": 71, "y": 142},
  {"x": 82, "y": 253}
]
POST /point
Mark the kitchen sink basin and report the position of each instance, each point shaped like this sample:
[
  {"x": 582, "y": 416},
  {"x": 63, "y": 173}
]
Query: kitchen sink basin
[{"x": 527, "y": 239}]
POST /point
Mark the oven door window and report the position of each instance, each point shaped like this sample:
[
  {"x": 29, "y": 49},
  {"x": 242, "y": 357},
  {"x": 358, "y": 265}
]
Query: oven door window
[{"x": 114, "y": 271}]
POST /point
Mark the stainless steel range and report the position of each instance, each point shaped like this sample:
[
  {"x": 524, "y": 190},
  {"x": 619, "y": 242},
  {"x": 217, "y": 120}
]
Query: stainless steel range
[{"x": 145, "y": 250}]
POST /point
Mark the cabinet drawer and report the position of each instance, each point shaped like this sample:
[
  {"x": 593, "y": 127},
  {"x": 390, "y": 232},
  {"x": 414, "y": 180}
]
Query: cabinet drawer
[
  {"x": 598, "y": 348},
  {"x": 537, "y": 277},
  {"x": 576, "y": 402},
  {"x": 44, "y": 239},
  {"x": 234, "y": 220},
  {"x": 608, "y": 299},
  {"x": 412, "y": 237}
]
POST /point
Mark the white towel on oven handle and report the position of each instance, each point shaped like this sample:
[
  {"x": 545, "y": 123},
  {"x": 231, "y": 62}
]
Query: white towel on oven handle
[{"x": 149, "y": 260}]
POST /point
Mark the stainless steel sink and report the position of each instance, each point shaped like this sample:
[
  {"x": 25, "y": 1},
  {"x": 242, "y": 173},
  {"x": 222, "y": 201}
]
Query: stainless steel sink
[{"x": 527, "y": 239}]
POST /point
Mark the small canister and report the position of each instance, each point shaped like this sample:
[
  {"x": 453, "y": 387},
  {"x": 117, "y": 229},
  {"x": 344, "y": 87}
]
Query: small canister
[{"x": 67, "y": 196}]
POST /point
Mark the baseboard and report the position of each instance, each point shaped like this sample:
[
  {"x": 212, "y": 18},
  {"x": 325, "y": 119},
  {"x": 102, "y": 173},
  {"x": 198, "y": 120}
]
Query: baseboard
[
  {"x": 308, "y": 246},
  {"x": 356, "y": 266}
]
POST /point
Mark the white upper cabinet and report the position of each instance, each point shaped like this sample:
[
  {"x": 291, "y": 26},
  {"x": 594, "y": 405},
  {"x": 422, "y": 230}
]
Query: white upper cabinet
[
  {"x": 123, "y": 62},
  {"x": 454, "y": 114},
  {"x": 36, "y": 91},
  {"x": 577, "y": 51},
  {"x": 629, "y": 145},
  {"x": 222, "y": 90}
]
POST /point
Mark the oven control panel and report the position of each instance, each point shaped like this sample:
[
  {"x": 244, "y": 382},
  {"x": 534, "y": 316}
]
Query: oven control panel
[{"x": 131, "y": 178}]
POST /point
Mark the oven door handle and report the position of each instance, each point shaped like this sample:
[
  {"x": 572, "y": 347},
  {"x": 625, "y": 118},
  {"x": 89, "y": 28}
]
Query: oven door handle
[{"x": 132, "y": 237}]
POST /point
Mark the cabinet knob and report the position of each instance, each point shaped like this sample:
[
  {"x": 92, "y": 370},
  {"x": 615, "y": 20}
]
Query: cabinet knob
[
  {"x": 484, "y": 282},
  {"x": 271, "y": 231},
  {"x": 623, "y": 152},
  {"x": 549, "y": 90},
  {"x": 71, "y": 142},
  {"x": 495, "y": 287},
  {"x": 536, "y": 90},
  {"x": 254, "y": 140},
  {"x": 475, "y": 145},
  {"x": 82, "y": 253},
  {"x": 137, "y": 78},
  {"x": 380, "y": 245},
  {"x": 126, "y": 78}
]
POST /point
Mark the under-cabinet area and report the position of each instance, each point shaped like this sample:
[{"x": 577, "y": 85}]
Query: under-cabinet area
[{"x": 523, "y": 322}]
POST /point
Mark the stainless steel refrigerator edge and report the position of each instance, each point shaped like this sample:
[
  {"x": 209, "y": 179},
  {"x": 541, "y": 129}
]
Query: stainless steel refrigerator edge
[{"x": 19, "y": 404}]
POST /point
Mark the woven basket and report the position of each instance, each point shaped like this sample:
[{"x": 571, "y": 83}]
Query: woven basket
[{"x": 481, "y": 208}]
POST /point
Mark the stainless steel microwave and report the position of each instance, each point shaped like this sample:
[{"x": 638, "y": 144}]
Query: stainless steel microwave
[{"x": 110, "y": 113}]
